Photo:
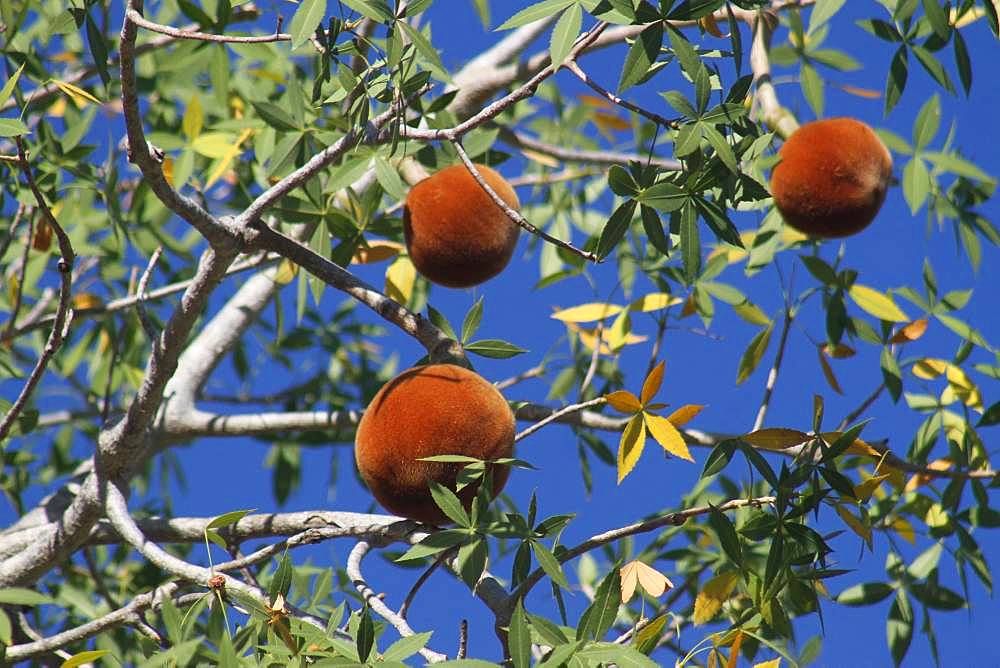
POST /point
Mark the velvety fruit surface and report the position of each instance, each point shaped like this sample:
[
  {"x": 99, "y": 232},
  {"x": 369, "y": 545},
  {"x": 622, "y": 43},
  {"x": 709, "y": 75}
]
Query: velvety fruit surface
[
  {"x": 832, "y": 177},
  {"x": 457, "y": 236},
  {"x": 439, "y": 409}
]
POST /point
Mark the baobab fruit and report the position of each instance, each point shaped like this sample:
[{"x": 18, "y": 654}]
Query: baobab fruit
[
  {"x": 456, "y": 235},
  {"x": 439, "y": 409},
  {"x": 832, "y": 177}
]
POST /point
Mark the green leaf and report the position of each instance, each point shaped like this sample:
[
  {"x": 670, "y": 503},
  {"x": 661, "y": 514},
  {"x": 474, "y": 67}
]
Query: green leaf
[
  {"x": 616, "y": 228},
  {"x": 389, "y": 179},
  {"x": 281, "y": 582},
  {"x": 22, "y": 596},
  {"x": 549, "y": 564},
  {"x": 8, "y": 87},
  {"x": 472, "y": 561},
  {"x": 899, "y": 627},
  {"x": 565, "y": 33},
  {"x": 868, "y": 593},
  {"x": 822, "y": 12},
  {"x": 275, "y": 116},
  {"x": 934, "y": 68},
  {"x": 690, "y": 243},
  {"x": 916, "y": 183},
  {"x": 494, "y": 348},
  {"x": 925, "y": 127},
  {"x": 621, "y": 182},
  {"x": 472, "y": 319},
  {"x": 435, "y": 543},
  {"x": 305, "y": 21},
  {"x": 406, "y": 647},
  {"x": 428, "y": 51},
  {"x": 937, "y": 18},
  {"x": 990, "y": 417},
  {"x": 539, "y": 10},
  {"x": 519, "y": 638},
  {"x": 365, "y": 639},
  {"x": 600, "y": 615},
  {"x": 623, "y": 656},
  {"x": 726, "y": 533},
  {"x": 754, "y": 353},
  {"x": 641, "y": 56},
  {"x": 377, "y": 10},
  {"x": 226, "y": 519},
  {"x": 812, "y": 87},
  {"x": 449, "y": 504},
  {"x": 963, "y": 62},
  {"x": 12, "y": 127},
  {"x": 891, "y": 374},
  {"x": 899, "y": 69}
]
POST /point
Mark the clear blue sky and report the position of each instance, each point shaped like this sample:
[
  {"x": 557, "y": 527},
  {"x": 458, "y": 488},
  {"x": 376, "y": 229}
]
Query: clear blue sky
[{"x": 699, "y": 370}]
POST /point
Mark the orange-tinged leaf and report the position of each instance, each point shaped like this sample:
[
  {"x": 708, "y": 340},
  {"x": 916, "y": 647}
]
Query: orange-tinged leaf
[
  {"x": 921, "y": 479},
  {"x": 685, "y": 414},
  {"x": 651, "y": 580},
  {"x": 905, "y": 530},
  {"x": 929, "y": 368},
  {"x": 654, "y": 301},
  {"x": 910, "y": 332},
  {"x": 713, "y": 595},
  {"x": 839, "y": 351},
  {"x": 856, "y": 525},
  {"x": 689, "y": 306},
  {"x": 667, "y": 436},
  {"x": 711, "y": 26},
  {"x": 42, "y": 240},
  {"x": 624, "y": 401},
  {"x": 631, "y": 445},
  {"x": 831, "y": 378},
  {"x": 595, "y": 101},
  {"x": 776, "y": 438},
  {"x": 83, "y": 300},
  {"x": 376, "y": 251},
  {"x": 864, "y": 490},
  {"x": 876, "y": 303},
  {"x": 607, "y": 122},
  {"x": 587, "y": 312},
  {"x": 168, "y": 169},
  {"x": 866, "y": 93},
  {"x": 652, "y": 383},
  {"x": 734, "y": 653}
]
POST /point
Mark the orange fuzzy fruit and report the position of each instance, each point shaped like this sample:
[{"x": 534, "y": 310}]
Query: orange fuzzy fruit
[
  {"x": 439, "y": 409},
  {"x": 832, "y": 178},
  {"x": 455, "y": 233}
]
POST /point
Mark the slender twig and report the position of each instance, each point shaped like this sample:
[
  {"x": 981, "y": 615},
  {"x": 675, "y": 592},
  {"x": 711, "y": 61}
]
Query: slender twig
[
  {"x": 64, "y": 316},
  {"x": 29, "y": 630},
  {"x": 677, "y": 518},
  {"x": 95, "y": 574},
  {"x": 533, "y": 372},
  {"x": 510, "y": 212},
  {"x": 595, "y": 356},
  {"x": 607, "y": 158},
  {"x": 12, "y": 230},
  {"x": 463, "y": 639},
  {"x": 772, "y": 376},
  {"x": 184, "y": 33},
  {"x": 15, "y": 309},
  {"x": 573, "y": 67},
  {"x": 373, "y": 600},
  {"x": 556, "y": 415},
  {"x": 140, "y": 293},
  {"x": 412, "y": 594},
  {"x": 865, "y": 405}
]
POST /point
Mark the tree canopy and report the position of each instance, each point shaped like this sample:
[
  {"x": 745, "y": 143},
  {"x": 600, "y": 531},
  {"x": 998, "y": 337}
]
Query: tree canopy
[{"x": 207, "y": 276}]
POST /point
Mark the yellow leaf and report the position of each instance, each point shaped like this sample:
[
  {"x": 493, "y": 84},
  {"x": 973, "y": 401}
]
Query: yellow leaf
[
  {"x": 77, "y": 94},
  {"x": 667, "y": 435},
  {"x": 921, "y": 479},
  {"x": 876, "y": 303},
  {"x": 399, "y": 280},
  {"x": 651, "y": 580},
  {"x": 214, "y": 144},
  {"x": 856, "y": 525},
  {"x": 587, "y": 312},
  {"x": 57, "y": 109},
  {"x": 790, "y": 235},
  {"x": 618, "y": 333},
  {"x": 929, "y": 368},
  {"x": 286, "y": 272},
  {"x": 81, "y": 658},
  {"x": 910, "y": 332},
  {"x": 227, "y": 158},
  {"x": 624, "y": 401},
  {"x": 654, "y": 301},
  {"x": 858, "y": 447},
  {"x": 540, "y": 158},
  {"x": 773, "y": 663},
  {"x": 973, "y": 14},
  {"x": 864, "y": 490},
  {"x": 193, "y": 119},
  {"x": 376, "y": 251},
  {"x": 684, "y": 414},
  {"x": 776, "y": 438},
  {"x": 606, "y": 122},
  {"x": 750, "y": 312},
  {"x": 905, "y": 530},
  {"x": 831, "y": 378},
  {"x": 652, "y": 383},
  {"x": 630, "y": 447},
  {"x": 936, "y": 516},
  {"x": 712, "y": 595},
  {"x": 962, "y": 387},
  {"x": 589, "y": 338}
]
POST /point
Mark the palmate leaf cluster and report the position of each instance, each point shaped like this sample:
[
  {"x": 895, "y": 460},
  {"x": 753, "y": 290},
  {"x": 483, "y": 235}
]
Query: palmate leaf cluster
[{"x": 684, "y": 226}]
